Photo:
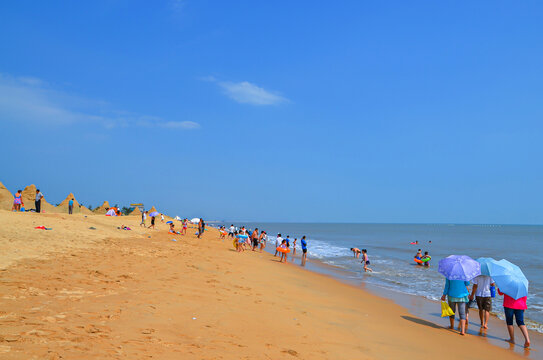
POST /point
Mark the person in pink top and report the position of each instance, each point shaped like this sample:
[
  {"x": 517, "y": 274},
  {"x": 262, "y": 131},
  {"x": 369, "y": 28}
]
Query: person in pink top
[{"x": 512, "y": 307}]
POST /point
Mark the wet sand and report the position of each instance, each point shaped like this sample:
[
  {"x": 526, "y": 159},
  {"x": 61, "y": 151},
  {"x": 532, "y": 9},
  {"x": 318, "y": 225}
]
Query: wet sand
[{"x": 138, "y": 294}]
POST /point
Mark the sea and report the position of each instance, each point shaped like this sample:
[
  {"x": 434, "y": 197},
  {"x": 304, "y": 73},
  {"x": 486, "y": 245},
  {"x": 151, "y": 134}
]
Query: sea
[{"x": 391, "y": 254}]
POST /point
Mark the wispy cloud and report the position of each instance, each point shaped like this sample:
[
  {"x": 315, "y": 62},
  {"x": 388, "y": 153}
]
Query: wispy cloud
[
  {"x": 247, "y": 93},
  {"x": 32, "y": 100}
]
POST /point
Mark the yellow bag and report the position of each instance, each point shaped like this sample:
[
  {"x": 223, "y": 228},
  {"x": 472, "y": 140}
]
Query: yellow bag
[{"x": 446, "y": 309}]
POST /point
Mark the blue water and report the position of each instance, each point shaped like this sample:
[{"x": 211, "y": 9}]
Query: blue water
[{"x": 391, "y": 255}]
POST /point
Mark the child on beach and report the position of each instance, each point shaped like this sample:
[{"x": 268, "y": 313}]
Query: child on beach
[
  {"x": 284, "y": 254},
  {"x": 366, "y": 261},
  {"x": 184, "y": 231},
  {"x": 304, "y": 250}
]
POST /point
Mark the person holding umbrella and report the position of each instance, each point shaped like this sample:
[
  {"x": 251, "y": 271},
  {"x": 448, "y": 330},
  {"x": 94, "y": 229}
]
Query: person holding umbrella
[
  {"x": 513, "y": 285},
  {"x": 458, "y": 271}
]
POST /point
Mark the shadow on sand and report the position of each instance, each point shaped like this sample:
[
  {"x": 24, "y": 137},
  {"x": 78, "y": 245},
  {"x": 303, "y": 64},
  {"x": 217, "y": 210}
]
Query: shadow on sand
[{"x": 422, "y": 322}]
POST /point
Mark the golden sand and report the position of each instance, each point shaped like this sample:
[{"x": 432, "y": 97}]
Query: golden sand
[{"x": 78, "y": 293}]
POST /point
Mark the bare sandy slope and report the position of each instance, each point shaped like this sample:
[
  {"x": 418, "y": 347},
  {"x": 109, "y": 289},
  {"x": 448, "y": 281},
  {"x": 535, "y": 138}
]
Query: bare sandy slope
[{"x": 112, "y": 294}]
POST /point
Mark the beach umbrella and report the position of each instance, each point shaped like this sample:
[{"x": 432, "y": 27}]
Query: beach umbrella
[
  {"x": 177, "y": 218},
  {"x": 485, "y": 265},
  {"x": 509, "y": 278},
  {"x": 195, "y": 220},
  {"x": 459, "y": 267},
  {"x": 169, "y": 222},
  {"x": 154, "y": 213}
]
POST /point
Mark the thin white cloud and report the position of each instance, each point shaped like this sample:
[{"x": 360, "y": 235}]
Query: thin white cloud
[
  {"x": 180, "y": 125},
  {"x": 31, "y": 100},
  {"x": 246, "y": 93}
]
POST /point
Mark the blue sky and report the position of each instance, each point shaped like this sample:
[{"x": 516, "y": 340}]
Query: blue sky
[{"x": 354, "y": 111}]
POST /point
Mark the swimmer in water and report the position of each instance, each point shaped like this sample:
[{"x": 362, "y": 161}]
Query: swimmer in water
[
  {"x": 366, "y": 261},
  {"x": 426, "y": 256},
  {"x": 356, "y": 252}
]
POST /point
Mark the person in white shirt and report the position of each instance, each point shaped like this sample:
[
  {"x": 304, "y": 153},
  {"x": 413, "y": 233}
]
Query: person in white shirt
[
  {"x": 231, "y": 231},
  {"x": 481, "y": 291},
  {"x": 278, "y": 242}
]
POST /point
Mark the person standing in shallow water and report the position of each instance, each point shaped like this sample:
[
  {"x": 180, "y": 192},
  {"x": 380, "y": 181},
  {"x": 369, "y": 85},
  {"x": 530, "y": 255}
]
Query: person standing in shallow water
[
  {"x": 366, "y": 261},
  {"x": 304, "y": 250}
]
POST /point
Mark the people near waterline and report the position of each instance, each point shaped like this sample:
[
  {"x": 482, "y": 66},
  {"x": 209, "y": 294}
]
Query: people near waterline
[
  {"x": 71, "y": 206},
  {"x": 288, "y": 240},
  {"x": 356, "y": 252},
  {"x": 294, "y": 247},
  {"x": 231, "y": 231},
  {"x": 262, "y": 240},
  {"x": 17, "y": 201},
  {"x": 366, "y": 261},
  {"x": 426, "y": 259},
  {"x": 515, "y": 309},
  {"x": 254, "y": 239},
  {"x": 303, "y": 242},
  {"x": 456, "y": 292},
  {"x": 283, "y": 248},
  {"x": 278, "y": 242},
  {"x": 481, "y": 291},
  {"x": 37, "y": 202}
]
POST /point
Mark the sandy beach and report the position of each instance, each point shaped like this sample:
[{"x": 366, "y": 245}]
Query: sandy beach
[{"x": 80, "y": 293}]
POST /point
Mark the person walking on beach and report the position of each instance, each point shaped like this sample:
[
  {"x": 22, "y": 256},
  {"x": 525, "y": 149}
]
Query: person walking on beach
[
  {"x": 71, "y": 206},
  {"x": 143, "y": 217},
  {"x": 456, "y": 292},
  {"x": 152, "y": 223},
  {"x": 161, "y": 217},
  {"x": 481, "y": 291},
  {"x": 278, "y": 242},
  {"x": 201, "y": 228},
  {"x": 37, "y": 201},
  {"x": 515, "y": 308},
  {"x": 294, "y": 248},
  {"x": 284, "y": 247},
  {"x": 304, "y": 250},
  {"x": 356, "y": 252},
  {"x": 17, "y": 201}
]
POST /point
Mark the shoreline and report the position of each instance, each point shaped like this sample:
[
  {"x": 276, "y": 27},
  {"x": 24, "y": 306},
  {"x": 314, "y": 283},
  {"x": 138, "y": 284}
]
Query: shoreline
[
  {"x": 140, "y": 294},
  {"x": 426, "y": 309}
]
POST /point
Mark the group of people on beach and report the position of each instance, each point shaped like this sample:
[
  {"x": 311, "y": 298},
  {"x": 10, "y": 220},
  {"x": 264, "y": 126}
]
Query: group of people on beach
[
  {"x": 246, "y": 239},
  {"x": 459, "y": 298},
  {"x": 18, "y": 204}
]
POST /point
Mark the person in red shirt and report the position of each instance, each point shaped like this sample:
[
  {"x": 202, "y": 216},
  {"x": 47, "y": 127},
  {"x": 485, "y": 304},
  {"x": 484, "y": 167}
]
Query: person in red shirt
[{"x": 515, "y": 308}]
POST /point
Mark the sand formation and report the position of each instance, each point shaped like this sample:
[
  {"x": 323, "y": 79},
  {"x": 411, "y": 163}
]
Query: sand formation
[
  {"x": 6, "y": 198},
  {"x": 136, "y": 211},
  {"x": 63, "y": 206},
  {"x": 101, "y": 210}
]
